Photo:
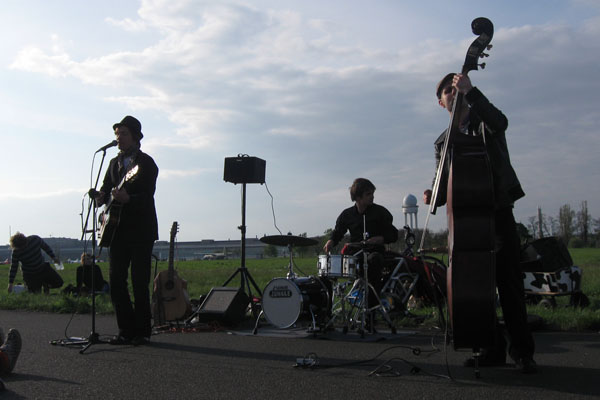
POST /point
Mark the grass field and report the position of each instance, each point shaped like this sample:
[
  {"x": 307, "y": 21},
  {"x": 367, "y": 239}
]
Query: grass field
[{"x": 204, "y": 275}]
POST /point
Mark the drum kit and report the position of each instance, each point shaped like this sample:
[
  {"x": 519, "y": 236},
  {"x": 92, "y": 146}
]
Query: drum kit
[
  {"x": 336, "y": 295},
  {"x": 288, "y": 300},
  {"x": 360, "y": 314}
]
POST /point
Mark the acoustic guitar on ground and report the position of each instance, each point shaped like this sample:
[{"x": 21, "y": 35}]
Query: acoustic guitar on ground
[{"x": 171, "y": 298}]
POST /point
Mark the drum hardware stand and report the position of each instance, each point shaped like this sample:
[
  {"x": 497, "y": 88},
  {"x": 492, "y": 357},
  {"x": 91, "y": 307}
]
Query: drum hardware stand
[
  {"x": 339, "y": 290},
  {"x": 366, "y": 286},
  {"x": 313, "y": 329},
  {"x": 246, "y": 278},
  {"x": 291, "y": 274},
  {"x": 93, "y": 338},
  {"x": 364, "y": 310}
]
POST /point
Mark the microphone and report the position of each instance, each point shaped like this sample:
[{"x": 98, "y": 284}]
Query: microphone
[{"x": 103, "y": 148}]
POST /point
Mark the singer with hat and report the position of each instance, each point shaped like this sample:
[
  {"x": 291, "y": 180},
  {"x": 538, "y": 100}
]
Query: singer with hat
[{"x": 133, "y": 239}]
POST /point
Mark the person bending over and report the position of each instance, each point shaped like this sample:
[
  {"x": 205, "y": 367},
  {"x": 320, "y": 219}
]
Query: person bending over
[{"x": 37, "y": 273}]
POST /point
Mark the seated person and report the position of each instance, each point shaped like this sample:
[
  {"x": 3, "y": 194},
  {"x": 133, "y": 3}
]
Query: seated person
[
  {"x": 84, "y": 277},
  {"x": 370, "y": 218}
]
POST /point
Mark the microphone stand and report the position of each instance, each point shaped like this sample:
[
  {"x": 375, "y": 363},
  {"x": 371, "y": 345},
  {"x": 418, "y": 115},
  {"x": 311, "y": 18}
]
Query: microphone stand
[
  {"x": 93, "y": 338},
  {"x": 366, "y": 314}
]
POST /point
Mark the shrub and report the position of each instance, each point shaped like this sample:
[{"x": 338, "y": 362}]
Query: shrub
[{"x": 576, "y": 243}]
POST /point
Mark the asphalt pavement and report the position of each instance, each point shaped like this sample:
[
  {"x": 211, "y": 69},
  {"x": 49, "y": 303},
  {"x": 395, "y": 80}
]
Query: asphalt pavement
[{"x": 217, "y": 363}]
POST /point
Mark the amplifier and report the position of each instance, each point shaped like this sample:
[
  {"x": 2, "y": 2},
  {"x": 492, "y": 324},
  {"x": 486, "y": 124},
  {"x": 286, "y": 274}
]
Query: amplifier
[
  {"x": 224, "y": 304},
  {"x": 244, "y": 169}
]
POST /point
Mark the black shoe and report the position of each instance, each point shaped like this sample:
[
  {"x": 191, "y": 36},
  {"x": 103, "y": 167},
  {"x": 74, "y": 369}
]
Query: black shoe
[
  {"x": 12, "y": 348},
  {"x": 119, "y": 340},
  {"x": 140, "y": 340},
  {"x": 527, "y": 365}
]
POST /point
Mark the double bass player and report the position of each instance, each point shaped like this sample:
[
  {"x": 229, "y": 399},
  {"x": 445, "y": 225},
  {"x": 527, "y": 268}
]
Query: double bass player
[{"x": 481, "y": 118}]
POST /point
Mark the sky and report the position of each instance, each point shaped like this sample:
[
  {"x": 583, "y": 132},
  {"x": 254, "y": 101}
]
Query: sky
[{"x": 323, "y": 91}]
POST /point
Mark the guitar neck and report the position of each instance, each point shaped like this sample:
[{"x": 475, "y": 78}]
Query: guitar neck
[
  {"x": 172, "y": 250},
  {"x": 171, "y": 266}
]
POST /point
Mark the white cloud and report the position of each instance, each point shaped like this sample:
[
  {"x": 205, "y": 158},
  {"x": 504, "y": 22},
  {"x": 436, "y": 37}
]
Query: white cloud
[
  {"x": 128, "y": 24},
  {"x": 324, "y": 109}
]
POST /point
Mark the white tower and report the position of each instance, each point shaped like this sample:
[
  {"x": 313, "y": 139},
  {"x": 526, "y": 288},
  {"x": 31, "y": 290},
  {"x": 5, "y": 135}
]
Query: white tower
[{"x": 410, "y": 208}]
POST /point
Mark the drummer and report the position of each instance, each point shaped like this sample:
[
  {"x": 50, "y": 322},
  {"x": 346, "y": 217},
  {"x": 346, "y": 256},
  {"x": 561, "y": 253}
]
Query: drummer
[{"x": 379, "y": 231}]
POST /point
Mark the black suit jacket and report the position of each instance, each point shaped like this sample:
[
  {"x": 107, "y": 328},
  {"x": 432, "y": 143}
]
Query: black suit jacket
[{"x": 138, "y": 222}]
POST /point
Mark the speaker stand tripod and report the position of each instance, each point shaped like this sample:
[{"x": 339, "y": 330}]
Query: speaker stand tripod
[{"x": 247, "y": 282}]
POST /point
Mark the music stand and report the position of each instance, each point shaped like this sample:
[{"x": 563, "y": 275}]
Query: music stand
[
  {"x": 94, "y": 337},
  {"x": 244, "y": 169}
]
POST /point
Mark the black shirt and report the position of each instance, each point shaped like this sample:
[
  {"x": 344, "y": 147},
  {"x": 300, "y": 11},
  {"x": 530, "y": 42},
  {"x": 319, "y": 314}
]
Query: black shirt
[
  {"x": 378, "y": 222},
  {"x": 137, "y": 222}
]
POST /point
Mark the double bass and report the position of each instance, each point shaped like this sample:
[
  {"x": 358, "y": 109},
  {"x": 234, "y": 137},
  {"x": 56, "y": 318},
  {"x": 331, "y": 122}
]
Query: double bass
[{"x": 464, "y": 165}]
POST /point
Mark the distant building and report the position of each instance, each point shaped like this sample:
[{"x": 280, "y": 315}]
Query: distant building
[
  {"x": 224, "y": 249},
  {"x": 71, "y": 249}
]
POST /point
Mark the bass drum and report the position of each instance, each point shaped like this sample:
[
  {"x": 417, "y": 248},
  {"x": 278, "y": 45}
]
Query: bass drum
[{"x": 286, "y": 301}]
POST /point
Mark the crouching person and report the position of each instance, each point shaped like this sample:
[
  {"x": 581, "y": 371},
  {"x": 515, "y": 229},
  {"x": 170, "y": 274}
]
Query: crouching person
[{"x": 37, "y": 273}]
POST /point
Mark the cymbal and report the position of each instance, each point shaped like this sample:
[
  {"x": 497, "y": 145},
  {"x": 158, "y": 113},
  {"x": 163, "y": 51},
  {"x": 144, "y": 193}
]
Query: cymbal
[{"x": 287, "y": 240}]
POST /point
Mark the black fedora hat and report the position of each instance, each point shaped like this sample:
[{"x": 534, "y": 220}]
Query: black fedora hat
[
  {"x": 443, "y": 82},
  {"x": 134, "y": 126}
]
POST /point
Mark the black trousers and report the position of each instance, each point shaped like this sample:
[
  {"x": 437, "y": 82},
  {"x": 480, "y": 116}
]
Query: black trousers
[
  {"x": 46, "y": 277},
  {"x": 509, "y": 280},
  {"x": 133, "y": 318}
]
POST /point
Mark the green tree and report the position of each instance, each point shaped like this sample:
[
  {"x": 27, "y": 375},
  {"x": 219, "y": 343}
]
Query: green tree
[
  {"x": 270, "y": 251},
  {"x": 583, "y": 222},
  {"x": 565, "y": 222}
]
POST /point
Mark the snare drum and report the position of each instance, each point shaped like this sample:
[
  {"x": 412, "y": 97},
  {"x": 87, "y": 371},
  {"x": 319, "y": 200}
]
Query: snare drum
[
  {"x": 286, "y": 301},
  {"x": 330, "y": 266},
  {"x": 350, "y": 266}
]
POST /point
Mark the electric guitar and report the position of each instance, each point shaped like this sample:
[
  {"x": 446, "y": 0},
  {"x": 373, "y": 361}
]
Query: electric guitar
[
  {"x": 110, "y": 216},
  {"x": 171, "y": 298}
]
